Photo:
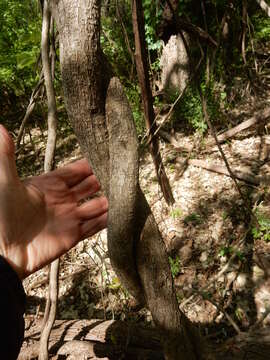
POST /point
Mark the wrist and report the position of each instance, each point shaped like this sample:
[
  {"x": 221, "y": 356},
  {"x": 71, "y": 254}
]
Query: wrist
[{"x": 10, "y": 257}]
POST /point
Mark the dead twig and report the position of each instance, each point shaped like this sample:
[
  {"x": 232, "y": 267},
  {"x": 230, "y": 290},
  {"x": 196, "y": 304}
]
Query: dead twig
[
  {"x": 142, "y": 67},
  {"x": 257, "y": 118},
  {"x": 32, "y": 102},
  {"x": 224, "y": 312}
]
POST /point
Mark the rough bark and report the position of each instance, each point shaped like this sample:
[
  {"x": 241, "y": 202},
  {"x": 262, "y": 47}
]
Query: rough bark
[
  {"x": 179, "y": 339},
  {"x": 138, "y": 231},
  {"x": 85, "y": 81},
  {"x": 174, "y": 63},
  {"x": 124, "y": 173}
]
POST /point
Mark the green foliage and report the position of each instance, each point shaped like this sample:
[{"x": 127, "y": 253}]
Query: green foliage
[
  {"x": 114, "y": 45},
  {"x": 133, "y": 95},
  {"x": 176, "y": 213},
  {"x": 115, "y": 284},
  {"x": 226, "y": 250},
  {"x": 239, "y": 314},
  {"x": 229, "y": 250},
  {"x": 193, "y": 218},
  {"x": 206, "y": 295},
  {"x": 20, "y": 29},
  {"x": 189, "y": 108},
  {"x": 20, "y": 26},
  {"x": 115, "y": 26},
  {"x": 175, "y": 265},
  {"x": 263, "y": 231},
  {"x": 261, "y": 27},
  {"x": 183, "y": 7},
  {"x": 152, "y": 17}
]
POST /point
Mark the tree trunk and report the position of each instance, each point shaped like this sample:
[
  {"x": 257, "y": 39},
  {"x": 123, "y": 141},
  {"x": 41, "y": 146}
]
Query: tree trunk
[{"x": 85, "y": 76}]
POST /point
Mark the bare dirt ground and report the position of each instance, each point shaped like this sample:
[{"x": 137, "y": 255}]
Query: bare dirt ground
[{"x": 219, "y": 262}]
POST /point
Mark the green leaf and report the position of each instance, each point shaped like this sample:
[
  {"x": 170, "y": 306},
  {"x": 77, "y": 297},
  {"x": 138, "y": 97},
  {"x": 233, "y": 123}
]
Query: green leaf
[{"x": 25, "y": 59}]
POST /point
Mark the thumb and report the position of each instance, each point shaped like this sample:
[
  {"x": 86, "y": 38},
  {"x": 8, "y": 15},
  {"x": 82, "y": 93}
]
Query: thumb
[{"x": 8, "y": 171}]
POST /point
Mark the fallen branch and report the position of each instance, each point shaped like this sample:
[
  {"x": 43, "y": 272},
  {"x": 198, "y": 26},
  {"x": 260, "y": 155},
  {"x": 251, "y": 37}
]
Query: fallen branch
[
  {"x": 102, "y": 338},
  {"x": 260, "y": 117},
  {"x": 84, "y": 349},
  {"x": 240, "y": 175},
  {"x": 220, "y": 309}
]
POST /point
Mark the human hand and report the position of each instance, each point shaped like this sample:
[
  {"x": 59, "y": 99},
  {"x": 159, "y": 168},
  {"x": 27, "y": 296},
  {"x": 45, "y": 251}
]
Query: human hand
[{"x": 41, "y": 218}]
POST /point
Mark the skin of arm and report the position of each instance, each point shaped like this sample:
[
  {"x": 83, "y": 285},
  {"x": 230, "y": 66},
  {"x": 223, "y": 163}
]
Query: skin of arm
[{"x": 44, "y": 216}]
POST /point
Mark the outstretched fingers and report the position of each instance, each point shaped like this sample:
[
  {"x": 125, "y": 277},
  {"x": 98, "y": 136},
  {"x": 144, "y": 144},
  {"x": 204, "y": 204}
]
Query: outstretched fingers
[
  {"x": 91, "y": 227},
  {"x": 73, "y": 173},
  {"x": 87, "y": 187},
  {"x": 92, "y": 208},
  {"x": 93, "y": 215}
]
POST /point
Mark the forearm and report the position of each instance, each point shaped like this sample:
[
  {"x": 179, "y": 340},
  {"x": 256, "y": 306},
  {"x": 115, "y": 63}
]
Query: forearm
[{"x": 12, "y": 307}]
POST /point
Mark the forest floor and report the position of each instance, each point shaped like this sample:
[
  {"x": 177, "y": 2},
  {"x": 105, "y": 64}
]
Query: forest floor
[{"x": 219, "y": 260}]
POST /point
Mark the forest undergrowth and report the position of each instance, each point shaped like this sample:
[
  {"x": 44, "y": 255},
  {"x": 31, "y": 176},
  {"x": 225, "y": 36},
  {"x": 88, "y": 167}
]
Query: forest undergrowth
[
  {"x": 219, "y": 262},
  {"x": 198, "y": 83}
]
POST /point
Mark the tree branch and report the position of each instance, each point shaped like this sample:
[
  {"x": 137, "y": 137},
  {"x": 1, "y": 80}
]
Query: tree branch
[
  {"x": 142, "y": 67},
  {"x": 191, "y": 28},
  {"x": 30, "y": 108},
  {"x": 51, "y": 305}
]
